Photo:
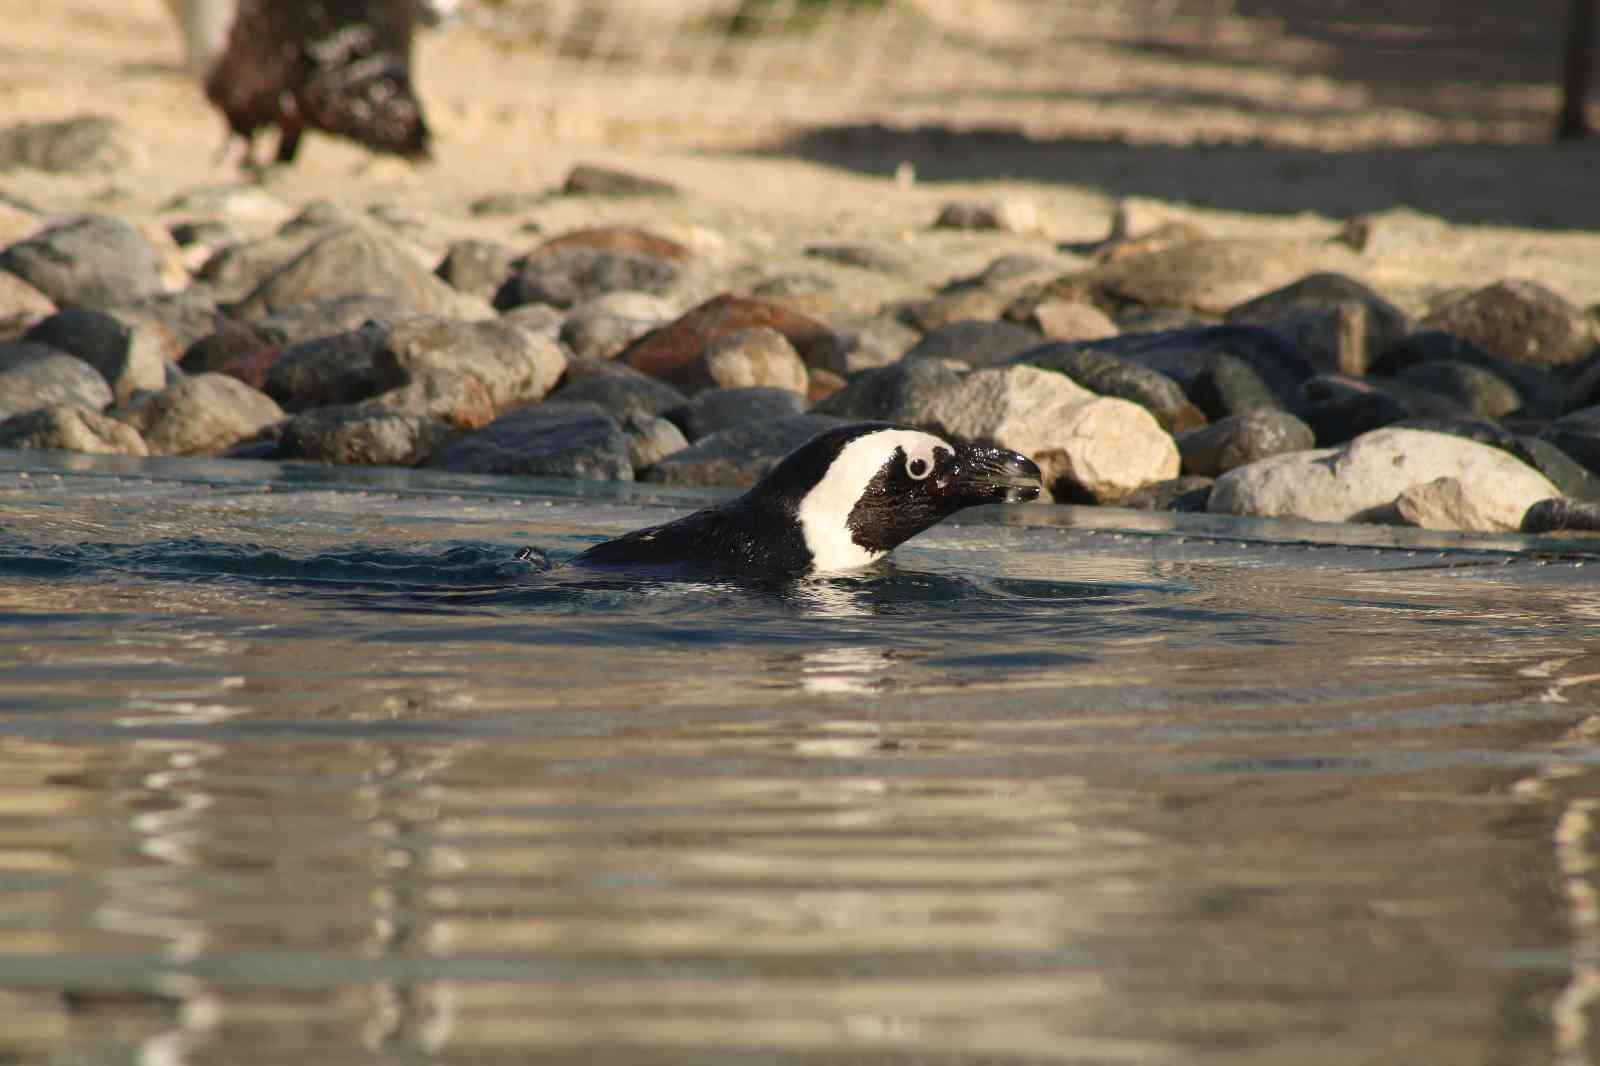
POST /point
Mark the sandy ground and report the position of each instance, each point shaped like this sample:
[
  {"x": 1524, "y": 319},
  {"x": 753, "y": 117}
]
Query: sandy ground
[{"x": 1529, "y": 209}]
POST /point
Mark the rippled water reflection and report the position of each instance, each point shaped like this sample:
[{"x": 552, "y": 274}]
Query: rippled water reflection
[{"x": 303, "y": 766}]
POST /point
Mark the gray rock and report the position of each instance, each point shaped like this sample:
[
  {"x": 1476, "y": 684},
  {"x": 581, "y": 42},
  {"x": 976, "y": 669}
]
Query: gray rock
[
  {"x": 231, "y": 342},
  {"x": 1395, "y": 230},
  {"x": 1208, "y": 276},
  {"x": 129, "y": 358},
  {"x": 359, "y": 261},
  {"x": 740, "y": 456},
  {"x": 600, "y": 328},
  {"x": 458, "y": 400},
  {"x": 715, "y": 410},
  {"x": 477, "y": 267},
  {"x": 976, "y": 343},
  {"x": 94, "y": 261},
  {"x": 329, "y": 370},
  {"x": 1339, "y": 409},
  {"x": 365, "y": 435},
  {"x": 1241, "y": 439},
  {"x": 1363, "y": 481},
  {"x": 66, "y": 146},
  {"x": 1561, "y": 514},
  {"x": 1577, "y": 434},
  {"x": 1010, "y": 215},
  {"x": 1566, "y": 473},
  {"x": 567, "y": 276},
  {"x": 957, "y": 305},
  {"x": 1206, "y": 364},
  {"x": 871, "y": 341},
  {"x": 201, "y": 415},
  {"x": 586, "y": 179},
  {"x": 901, "y": 392},
  {"x": 650, "y": 440},
  {"x": 1183, "y": 494},
  {"x": 1069, "y": 320},
  {"x": 566, "y": 440},
  {"x": 186, "y": 316},
  {"x": 622, "y": 391},
  {"x": 21, "y": 306},
  {"x": 70, "y": 428},
  {"x": 35, "y": 375},
  {"x": 1519, "y": 321},
  {"x": 514, "y": 366},
  {"x": 1111, "y": 375},
  {"x": 300, "y": 323},
  {"x": 746, "y": 358},
  {"x": 1473, "y": 388},
  {"x": 1336, "y": 322},
  {"x": 1543, "y": 394}
]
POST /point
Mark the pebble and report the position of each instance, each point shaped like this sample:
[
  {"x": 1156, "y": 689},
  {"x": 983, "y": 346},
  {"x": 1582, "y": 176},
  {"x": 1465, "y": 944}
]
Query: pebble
[{"x": 562, "y": 440}]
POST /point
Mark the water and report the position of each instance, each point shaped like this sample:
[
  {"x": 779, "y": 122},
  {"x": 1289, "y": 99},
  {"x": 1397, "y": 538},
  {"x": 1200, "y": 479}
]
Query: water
[{"x": 302, "y": 766}]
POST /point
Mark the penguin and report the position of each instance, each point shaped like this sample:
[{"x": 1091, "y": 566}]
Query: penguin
[
  {"x": 843, "y": 500},
  {"x": 342, "y": 66}
]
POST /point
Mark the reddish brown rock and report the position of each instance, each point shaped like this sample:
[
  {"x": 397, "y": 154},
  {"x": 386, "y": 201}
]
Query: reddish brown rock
[
  {"x": 672, "y": 353},
  {"x": 615, "y": 239}
]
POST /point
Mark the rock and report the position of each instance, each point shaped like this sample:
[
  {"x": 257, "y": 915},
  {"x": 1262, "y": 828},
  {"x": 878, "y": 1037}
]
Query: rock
[
  {"x": 1223, "y": 370},
  {"x": 540, "y": 320},
  {"x": 871, "y": 341},
  {"x": 820, "y": 384},
  {"x": 621, "y": 239},
  {"x": 21, "y": 305},
  {"x": 902, "y": 392},
  {"x": 326, "y": 318},
  {"x": 1577, "y": 434},
  {"x": 740, "y": 456},
  {"x": 1187, "y": 495},
  {"x": 70, "y": 428},
  {"x": 234, "y": 344},
  {"x": 1340, "y": 409},
  {"x": 1337, "y": 323},
  {"x": 130, "y": 359},
  {"x": 66, "y": 146},
  {"x": 1395, "y": 230},
  {"x": 1111, "y": 375},
  {"x": 1156, "y": 320},
  {"x": 568, "y": 276},
  {"x": 476, "y": 267},
  {"x": 1560, "y": 514},
  {"x": 957, "y": 305},
  {"x": 184, "y": 316},
  {"x": 1470, "y": 427},
  {"x": 1543, "y": 395},
  {"x": 859, "y": 255},
  {"x": 1242, "y": 439},
  {"x": 715, "y": 410},
  {"x": 623, "y": 392},
  {"x": 328, "y": 371},
  {"x": 1162, "y": 238},
  {"x": 1137, "y": 216},
  {"x": 1521, "y": 322},
  {"x": 358, "y": 261},
  {"x": 363, "y": 435},
  {"x": 567, "y": 440},
  {"x": 1087, "y": 446},
  {"x": 752, "y": 357},
  {"x": 1448, "y": 503},
  {"x": 1071, "y": 321},
  {"x": 602, "y": 327},
  {"x": 672, "y": 353},
  {"x": 201, "y": 415},
  {"x": 585, "y": 179},
  {"x": 975, "y": 343},
  {"x": 650, "y": 440},
  {"x": 1009, "y": 215},
  {"x": 514, "y": 367},
  {"x": 458, "y": 400},
  {"x": 1475, "y": 389},
  {"x": 35, "y": 375},
  {"x": 506, "y": 203},
  {"x": 1362, "y": 480},
  {"x": 1566, "y": 473},
  {"x": 94, "y": 261}
]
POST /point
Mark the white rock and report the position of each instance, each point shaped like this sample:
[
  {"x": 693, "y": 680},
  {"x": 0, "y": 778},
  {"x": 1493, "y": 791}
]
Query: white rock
[
  {"x": 1365, "y": 479},
  {"x": 1106, "y": 446}
]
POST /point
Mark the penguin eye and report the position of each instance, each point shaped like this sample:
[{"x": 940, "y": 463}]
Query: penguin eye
[{"x": 918, "y": 467}]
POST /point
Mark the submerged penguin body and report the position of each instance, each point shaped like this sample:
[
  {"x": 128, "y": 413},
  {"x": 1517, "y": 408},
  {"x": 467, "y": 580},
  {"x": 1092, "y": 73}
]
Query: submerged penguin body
[{"x": 842, "y": 500}]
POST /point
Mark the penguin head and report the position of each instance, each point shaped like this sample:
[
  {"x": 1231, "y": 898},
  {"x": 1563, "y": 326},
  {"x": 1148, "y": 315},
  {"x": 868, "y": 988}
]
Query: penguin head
[{"x": 860, "y": 490}]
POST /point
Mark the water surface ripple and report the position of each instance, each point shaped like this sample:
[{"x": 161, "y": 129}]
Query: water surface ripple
[{"x": 303, "y": 765}]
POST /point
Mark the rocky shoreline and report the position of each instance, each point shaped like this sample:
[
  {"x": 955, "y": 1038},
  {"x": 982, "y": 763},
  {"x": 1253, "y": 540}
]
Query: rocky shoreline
[{"x": 1169, "y": 366}]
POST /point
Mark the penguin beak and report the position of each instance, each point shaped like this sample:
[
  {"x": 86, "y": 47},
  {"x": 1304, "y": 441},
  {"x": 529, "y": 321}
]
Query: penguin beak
[{"x": 982, "y": 474}]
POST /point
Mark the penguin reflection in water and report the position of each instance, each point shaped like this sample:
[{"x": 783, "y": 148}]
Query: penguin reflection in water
[{"x": 841, "y": 501}]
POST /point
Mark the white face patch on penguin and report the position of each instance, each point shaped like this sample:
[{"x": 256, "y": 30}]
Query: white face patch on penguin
[{"x": 824, "y": 512}]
